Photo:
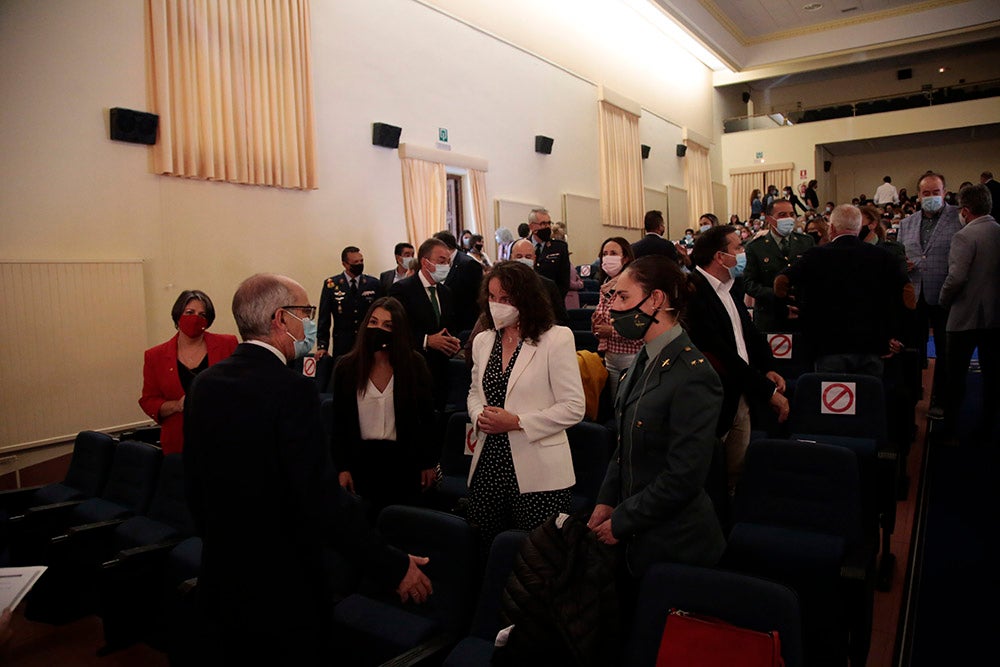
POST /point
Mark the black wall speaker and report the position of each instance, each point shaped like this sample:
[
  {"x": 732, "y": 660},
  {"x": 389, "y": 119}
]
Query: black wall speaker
[
  {"x": 826, "y": 165},
  {"x": 135, "y": 127},
  {"x": 746, "y": 97},
  {"x": 645, "y": 152},
  {"x": 681, "y": 150},
  {"x": 386, "y": 135},
  {"x": 543, "y": 144},
  {"x": 902, "y": 74}
]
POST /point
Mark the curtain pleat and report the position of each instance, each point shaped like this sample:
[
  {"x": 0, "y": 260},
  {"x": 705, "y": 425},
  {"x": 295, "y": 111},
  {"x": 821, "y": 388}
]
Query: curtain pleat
[
  {"x": 698, "y": 182},
  {"x": 622, "y": 199},
  {"x": 425, "y": 200},
  {"x": 232, "y": 83},
  {"x": 742, "y": 186},
  {"x": 477, "y": 183}
]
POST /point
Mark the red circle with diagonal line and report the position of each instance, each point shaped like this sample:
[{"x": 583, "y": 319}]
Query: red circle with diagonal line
[
  {"x": 781, "y": 345},
  {"x": 309, "y": 367},
  {"x": 838, "y": 398}
]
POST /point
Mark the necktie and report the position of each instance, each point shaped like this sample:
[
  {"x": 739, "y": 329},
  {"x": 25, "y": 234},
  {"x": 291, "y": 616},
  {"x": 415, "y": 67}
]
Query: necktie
[
  {"x": 633, "y": 377},
  {"x": 354, "y": 289},
  {"x": 434, "y": 303},
  {"x": 538, "y": 250},
  {"x": 784, "y": 247}
]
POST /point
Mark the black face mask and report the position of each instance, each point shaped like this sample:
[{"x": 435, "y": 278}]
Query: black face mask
[
  {"x": 816, "y": 237},
  {"x": 544, "y": 234},
  {"x": 377, "y": 338},
  {"x": 479, "y": 247},
  {"x": 357, "y": 269}
]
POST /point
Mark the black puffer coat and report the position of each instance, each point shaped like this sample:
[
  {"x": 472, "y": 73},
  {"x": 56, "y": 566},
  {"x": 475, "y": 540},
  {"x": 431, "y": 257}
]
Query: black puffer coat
[{"x": 561, "y": 598}]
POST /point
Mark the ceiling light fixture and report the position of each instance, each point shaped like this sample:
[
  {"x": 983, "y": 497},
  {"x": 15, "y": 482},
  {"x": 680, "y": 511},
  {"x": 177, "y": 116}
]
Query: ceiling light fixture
[
  {"x": 813, "y": 6},
  {"x": 666, "y": 24},
  {"x": 942, "y": 70}
]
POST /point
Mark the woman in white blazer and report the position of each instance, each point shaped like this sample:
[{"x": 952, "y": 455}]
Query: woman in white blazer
[{"x": 526, "y": 391}]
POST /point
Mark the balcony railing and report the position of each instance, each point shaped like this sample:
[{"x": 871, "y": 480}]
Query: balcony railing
[{"x": 923, "y": 98}]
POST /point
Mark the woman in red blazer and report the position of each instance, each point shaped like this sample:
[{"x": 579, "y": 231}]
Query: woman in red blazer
[{"x": 170, "y": 367}]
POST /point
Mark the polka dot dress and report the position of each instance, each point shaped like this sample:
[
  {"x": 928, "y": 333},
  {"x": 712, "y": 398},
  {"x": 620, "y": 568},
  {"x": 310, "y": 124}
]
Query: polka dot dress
[{"x": 495, "y": 500}]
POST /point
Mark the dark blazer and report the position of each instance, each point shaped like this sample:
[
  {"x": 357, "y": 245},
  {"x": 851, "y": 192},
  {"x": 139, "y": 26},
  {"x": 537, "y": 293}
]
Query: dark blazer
[
  {"x": 336, "y": 303},
  {"x": 464, "y": 281},
  {"x": 161, "y": 383},
  {"x": 386, "y": 279},
  {"x": 553, "y": 263},
  {"x": 764, "y": 262},
  {"x": 712, "y": 332},
  {"x": 994, "y": 189},
  {"x": 265, "y": 499},
  {"x": 656, "y": 478},
  {"x": 410, "y": 292},
  {"x": 414, "y": 412},
  {"x": 558, "y": 301},
  {"x": 851, "y": 296},
  {"x": 654, "y": 244}
]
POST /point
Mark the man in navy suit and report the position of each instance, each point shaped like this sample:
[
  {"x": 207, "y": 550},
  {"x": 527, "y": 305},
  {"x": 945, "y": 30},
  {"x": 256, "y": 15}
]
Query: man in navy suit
[
  {"x": 720, "y": 326},
  {"x": 653, "y": 242},
  {"x": 404, "y": 253},
  {"x": 264, "y": 495},
  {"x": 431, "y": 311},
  {"x": 464, "y": 280},
  {"x": 345, "y": 299}
]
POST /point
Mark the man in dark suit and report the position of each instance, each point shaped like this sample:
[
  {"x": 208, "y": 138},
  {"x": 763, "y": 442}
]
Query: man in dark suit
[
  {"x": 523, "y": 251},
  {"x": 551, "y": 256},
  {"x": 721, "y": 328},
  {"x": 404, "y": 253},
  {"x": 851, "y": 295},
  {"x": 431, "y": 310},
  {"x": 653, "y": 242},
  {"x": 767, "y": 256},
  {"x": 971, "y": 292},
  {"x": 264, "y": 495},
  {"x": 986, "y": 178},
  {"x": 345, "y": 299},
  {"x": 463, "y": 280}
]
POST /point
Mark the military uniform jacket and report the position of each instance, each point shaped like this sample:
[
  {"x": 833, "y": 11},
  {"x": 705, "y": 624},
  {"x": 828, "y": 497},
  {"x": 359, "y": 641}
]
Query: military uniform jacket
[
  {"x": 553, "y": 263},
  {"x": 764, "y": 262},
  {"x": 336, "y": 302},
  {"x": 666, "y": 418}
]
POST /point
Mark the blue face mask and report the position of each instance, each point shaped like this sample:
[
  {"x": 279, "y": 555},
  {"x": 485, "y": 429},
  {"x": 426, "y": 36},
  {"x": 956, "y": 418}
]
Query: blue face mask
[
  {"x": 530, "y": 263},
  {"x": 304, "y": 346},
  {"x": 932, "y": 204},
  {"x": 741, "y": 263},
  {"x": 785, "y": 226}
]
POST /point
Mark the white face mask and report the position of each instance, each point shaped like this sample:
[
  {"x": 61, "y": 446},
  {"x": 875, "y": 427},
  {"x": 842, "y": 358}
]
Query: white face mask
[
  {"x": 439, "y": 272},
  {"x": 785, "y": 226},
  {"x": 527, "y": 261},
  {"x": 611, "y": 265},
  {"x": 503, "y": 315}
]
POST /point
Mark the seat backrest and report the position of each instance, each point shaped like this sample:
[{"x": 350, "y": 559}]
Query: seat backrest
[
  {"x": 453, "y": 458},
  {"x": 591, "y": 445},
  {"x": 839, "y": 404},
  {"x": 580, "y": 318},
  {"x": 459, "y": 381},
  {"x": 743, "y": 600},
  {"x": 452, "y": 546},
  {"x": 169, "y": 504},
  {"x": 90, "y": 465},
  {"x": 585, "y": 340},
  {"x": 799, "y": 485},
  {"x": 132, "y": 480},
  {"x": 326, "y": 411},
  {"x": 506, "y": 545}
]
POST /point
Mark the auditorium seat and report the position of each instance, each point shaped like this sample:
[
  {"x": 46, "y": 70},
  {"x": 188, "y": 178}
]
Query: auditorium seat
[{"x": 591, "y": 446}]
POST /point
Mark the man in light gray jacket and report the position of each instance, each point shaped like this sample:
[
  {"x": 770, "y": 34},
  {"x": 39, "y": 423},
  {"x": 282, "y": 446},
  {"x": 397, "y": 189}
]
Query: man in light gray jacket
[{"x": 971, "y": 291}]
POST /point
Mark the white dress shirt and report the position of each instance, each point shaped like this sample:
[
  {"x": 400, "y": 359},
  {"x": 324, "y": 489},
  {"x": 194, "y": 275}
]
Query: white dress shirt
[
  {"x": 722, "y": 290},
  {"x": 377, "y": 412}
]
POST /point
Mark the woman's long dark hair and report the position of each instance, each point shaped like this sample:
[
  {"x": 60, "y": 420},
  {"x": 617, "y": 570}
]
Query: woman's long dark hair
[
  {"x": 359, "y": 361},
  {"x": 527, "y": 294},
  {"x": 627, "y": 256}
]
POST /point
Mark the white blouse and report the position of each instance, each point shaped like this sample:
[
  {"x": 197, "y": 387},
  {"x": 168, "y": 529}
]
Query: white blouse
[{"x": 377, "y": 413}]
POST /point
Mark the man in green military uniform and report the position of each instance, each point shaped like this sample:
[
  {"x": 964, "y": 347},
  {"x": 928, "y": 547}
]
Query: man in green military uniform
[{"x": 769, "y": 255}]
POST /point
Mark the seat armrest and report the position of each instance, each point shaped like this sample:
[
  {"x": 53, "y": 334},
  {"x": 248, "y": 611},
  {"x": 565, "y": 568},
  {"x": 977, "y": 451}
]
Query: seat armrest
[
  {"x": 139, "y": 556},
  {"x": 14, "y": 500},
  {"x": 93, "y": 528},
  {"x": 55, "y": 509},
  {"x": 417, "y": 655}
]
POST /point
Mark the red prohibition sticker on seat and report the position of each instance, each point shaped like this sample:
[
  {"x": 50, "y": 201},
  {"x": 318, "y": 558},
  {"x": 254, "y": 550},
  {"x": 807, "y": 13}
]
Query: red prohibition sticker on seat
[
  {"x": 309, "y": 367},
  {"x": 781, "y": 345},
  {"x": 837, "y": 398}
]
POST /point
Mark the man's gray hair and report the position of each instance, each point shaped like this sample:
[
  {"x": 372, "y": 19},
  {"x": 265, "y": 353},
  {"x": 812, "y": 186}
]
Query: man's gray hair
[
  {"x": 504, "y": 236},
  {"x": 846, "y": 218},
  {"x": 533, "y": 216},
  {"x": 255, "y": 302},
  {"x": 977, "y": 199}
]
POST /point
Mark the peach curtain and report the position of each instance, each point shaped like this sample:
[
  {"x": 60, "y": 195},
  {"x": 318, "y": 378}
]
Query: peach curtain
[
  {"x": 697, "y": 182},
  {"x": 232, "y": 83},
  {"x": 622, "y": 201},
  {"x": 425, "y": 200},
  {"x": 778, "y": 178},
  {"x": 742, "y": 186},
  {"x": 477, "y": 185}
]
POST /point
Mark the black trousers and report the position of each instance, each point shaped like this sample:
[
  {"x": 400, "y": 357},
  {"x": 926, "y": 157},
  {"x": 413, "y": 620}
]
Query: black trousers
[
  {"x": 935, "y": 318},
  {"x": 960, "y": 346}
]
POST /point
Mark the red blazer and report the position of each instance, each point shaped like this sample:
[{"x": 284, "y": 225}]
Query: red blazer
[{"x": 161, "y": 383}]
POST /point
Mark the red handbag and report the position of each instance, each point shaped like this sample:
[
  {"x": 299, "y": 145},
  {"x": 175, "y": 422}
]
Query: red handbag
[{"x": 690, "y": 640}]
